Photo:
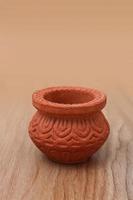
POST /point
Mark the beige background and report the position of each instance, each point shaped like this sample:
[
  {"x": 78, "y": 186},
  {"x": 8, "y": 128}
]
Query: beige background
[{"x": 48, "y": 43}]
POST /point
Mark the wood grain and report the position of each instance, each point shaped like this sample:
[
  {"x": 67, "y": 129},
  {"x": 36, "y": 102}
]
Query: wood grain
[{"x": 26, "y": 174}]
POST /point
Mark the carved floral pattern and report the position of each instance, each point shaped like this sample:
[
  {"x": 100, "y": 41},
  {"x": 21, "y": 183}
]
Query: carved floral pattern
[{"x": 70, "y": 139}]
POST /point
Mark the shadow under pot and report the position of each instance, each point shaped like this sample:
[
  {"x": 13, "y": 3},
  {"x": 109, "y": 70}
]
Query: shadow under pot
[{"x": 68, "y": 126}]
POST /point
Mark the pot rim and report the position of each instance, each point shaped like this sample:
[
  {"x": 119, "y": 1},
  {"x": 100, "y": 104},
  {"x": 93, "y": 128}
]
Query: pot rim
[{"x": 97, "y": 102}]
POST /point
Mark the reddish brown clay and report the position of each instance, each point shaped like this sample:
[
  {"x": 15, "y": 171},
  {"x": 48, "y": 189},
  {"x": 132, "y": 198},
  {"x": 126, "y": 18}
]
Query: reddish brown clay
[{"x": 69, "y": 125}]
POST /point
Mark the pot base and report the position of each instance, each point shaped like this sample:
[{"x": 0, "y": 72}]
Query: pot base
[{"x": 68, "y": 163}]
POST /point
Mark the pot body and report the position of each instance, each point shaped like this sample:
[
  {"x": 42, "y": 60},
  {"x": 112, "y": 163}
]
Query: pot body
[{"x": 68, "y": 138}]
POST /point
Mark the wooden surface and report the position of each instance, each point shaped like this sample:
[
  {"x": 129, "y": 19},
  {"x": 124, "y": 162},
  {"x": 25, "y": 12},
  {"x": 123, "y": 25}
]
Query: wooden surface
[{"x": 26, "y": 174}]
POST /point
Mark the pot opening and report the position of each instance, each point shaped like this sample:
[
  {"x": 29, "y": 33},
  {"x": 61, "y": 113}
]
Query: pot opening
[{"x": 69, "y": 96}]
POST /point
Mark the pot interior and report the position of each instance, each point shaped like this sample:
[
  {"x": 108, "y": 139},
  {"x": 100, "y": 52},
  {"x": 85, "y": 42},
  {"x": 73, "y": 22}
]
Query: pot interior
[{"x": 69, "y": 96}]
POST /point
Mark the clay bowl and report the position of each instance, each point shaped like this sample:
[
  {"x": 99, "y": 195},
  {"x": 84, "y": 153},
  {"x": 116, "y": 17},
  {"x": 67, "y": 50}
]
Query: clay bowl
[{"x": 68, "y": 126}]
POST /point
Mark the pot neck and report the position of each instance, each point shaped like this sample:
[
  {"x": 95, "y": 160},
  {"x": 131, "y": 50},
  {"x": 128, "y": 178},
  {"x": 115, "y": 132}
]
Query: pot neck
[{"x": 85, "y": 115}]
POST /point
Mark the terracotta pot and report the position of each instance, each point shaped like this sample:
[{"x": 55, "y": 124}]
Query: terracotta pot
[{"x": 69, "y": 125}]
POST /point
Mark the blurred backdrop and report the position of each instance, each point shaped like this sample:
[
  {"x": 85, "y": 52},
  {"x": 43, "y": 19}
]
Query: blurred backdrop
[{"x": 71, "y": 42}]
